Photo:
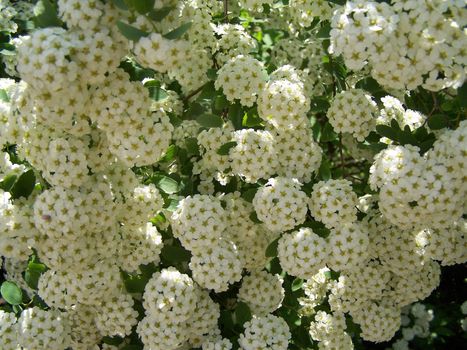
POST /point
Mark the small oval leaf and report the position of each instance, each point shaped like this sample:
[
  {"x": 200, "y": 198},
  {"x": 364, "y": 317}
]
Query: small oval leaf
[
  {"x": 210, "y": 120},
  {"x": 11, "y": 293},
  {"x": 177, "y": 33},
  {"x": 130, "y": 32},
  {"x": 225, "y": 148}
]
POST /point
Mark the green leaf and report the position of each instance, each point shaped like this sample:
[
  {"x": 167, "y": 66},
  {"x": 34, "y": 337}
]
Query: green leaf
[
  {"x": 17, "y": 309},
  {"x": 172, "y": 203},
  {"x": 8, "y": 182},
  {"x": 130, "y": 32},
  {"x": 324, "y": 171},
  {"x": 11, "y": 293},
  {"x": 170, "y": 153},
  {"x": 254, "y": 217},
  {"x": 210, "y": 120},
  {"x": 143, "y": 6},
  {"x": 132, "y": 347},
  {"x": 387, "y": 131},
  {"x": 319, "y": 104},
  {"x": 225, "y": 148},
  {"x": 192, "y": 147},
  {"x": 371, "y": 85},
  {"x": 157, "y": 93},
  {"x": 324, "y": 31},
  {"x": 24, "y": 186},
  {"x": 212, "y": 74},
  {"x": 158, "y": 15},
  {"x": 116, "y": 340},
  {"x": 462, "y": 95},
  {"x": 271, "y": 250},
  {"x": 219, "y": 103},
  {"x": 120, "y": 4},
  {"x": 437, "y": 121},
  {"x": 328, "y": 134},
  {"x": 4, "y": 96},
  {"x": 242, "y": 313},
  {"x": 134, "y": 283},
  {"x": 175, "y": 254},
  {"x": 178, "y": 32},
  {"x": 46, "y": 14},
  {"x": 297, "y": 284},
  {"x": 33, "y": 272},
  {"x": 249, "y": 194},
  {"x": 168, "y": 185},
  {"x": 236, "y": 115}
]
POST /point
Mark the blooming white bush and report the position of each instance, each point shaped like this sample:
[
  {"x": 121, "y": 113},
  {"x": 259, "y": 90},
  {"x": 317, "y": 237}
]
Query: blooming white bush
[{"x": 226, "y": 175}]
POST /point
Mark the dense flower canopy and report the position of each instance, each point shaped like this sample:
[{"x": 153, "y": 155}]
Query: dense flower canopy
[{"x": 234, "y": 174}]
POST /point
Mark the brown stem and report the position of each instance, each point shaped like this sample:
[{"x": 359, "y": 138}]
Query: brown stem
[
  {"x": 226, "y": 11},
  {"x": 193, "y": 93}
]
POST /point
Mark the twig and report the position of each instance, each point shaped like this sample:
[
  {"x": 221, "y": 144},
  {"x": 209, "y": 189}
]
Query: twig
[
  {"x": 341, "y": 152},
  {"x": 226, "y": 11},
  {"x": 193, "y": 93},
  {"x": 435, "y": 104}
]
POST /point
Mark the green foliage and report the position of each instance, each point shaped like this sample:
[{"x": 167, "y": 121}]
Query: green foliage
[
  {"x": 130, "y": 32},
  {"x": 11, "y": 293},
  {"x": 242, "y": 313},
  {"x": 226, "y": 147},
  {"x": 178, "y": 32},
  {"x": 46, "y": 14},
  {"x": 4, "y": 96},
  {"x": 210, "y": 120}
]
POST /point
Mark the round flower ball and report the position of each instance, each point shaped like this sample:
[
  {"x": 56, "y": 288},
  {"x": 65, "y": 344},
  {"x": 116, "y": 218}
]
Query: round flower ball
[
  {"x": 269, "y": 332},
  {"x": 333, "y": 202},
  {"x": 169, "y": 296},
  {"x": 349, "y": 246},
  {"x": 262, "y": 292},
  {"x": 354, "y": 112},
  {"x": 241, "y": 78},
  {"x": 281, "y": 205},
  {"x": 284, "y": 104},
  {"x": 302, "y": 253}
]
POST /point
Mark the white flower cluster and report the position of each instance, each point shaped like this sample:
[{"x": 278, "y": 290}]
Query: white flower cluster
[
  {"x": 234, "y": 40},
  {"x": 210, "y": 141},
  {"x": 408, "y": 44},
  {"x": 333, "y": 202},
  {"x": 393, "y": 109},
  {"x": 378, "y": 321},
  {"x": 262, "y": 292},
  {"x": 39, "y": 329},
  {"x": 302, "y": 253},
  {"x": 269, "y": 332},
  {"x": 159, "y": 53},
  {"x": 254, "y": 5},
  {"x": 283, "y": 103},
  {"x": 254, "y": 156},
  {"x": 136, "y": 135},
  {"x": 251, "y": 238},
  {"x": 415, "y": 323},
  {"x": 280, "y": 204},
  {"x": 329, "y": 330},
  {"x": 315, "y": 289},
  {"x": 299, "y": 156},
  {"x": 241, "y": 78},
  {"x": 177, "y": 312},
  {"x": 199, "y": 223},
  {"x": 7, "y": 13},
  {"x": 424, "y": 192},
  {"x": 354, "y": 112},
  {"x": 92, "y": 134},
  {"x": 303, "y": 12}
]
